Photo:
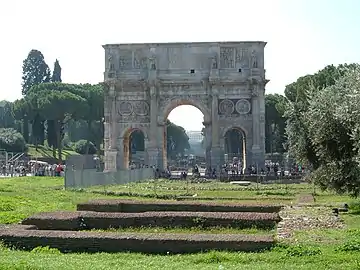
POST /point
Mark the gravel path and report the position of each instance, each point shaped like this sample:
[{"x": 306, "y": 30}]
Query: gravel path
[{"x": 306, "y": 218}]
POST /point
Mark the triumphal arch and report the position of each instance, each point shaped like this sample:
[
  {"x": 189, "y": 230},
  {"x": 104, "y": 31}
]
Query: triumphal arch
[{"x": 144, "y": 82}]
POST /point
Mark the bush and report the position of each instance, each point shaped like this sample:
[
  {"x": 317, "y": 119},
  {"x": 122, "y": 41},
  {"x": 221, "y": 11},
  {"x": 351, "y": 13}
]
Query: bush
[
  {"x": 81, "y": 146},
  {"x": 11, "y": 140}
]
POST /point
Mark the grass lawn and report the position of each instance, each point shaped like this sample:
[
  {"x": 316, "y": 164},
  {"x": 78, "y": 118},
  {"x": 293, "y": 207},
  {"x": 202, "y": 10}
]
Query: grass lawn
[
  {"x": 44, "y": 151},
  {"x": 311, "y": 249}
]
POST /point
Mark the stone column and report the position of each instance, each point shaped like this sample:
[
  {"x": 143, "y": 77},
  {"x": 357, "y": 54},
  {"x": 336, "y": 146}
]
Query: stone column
[
  {"x": 162, "y": 157},
  {"x": 217, "y": 154},
  {"x": 257, "y": 152},
  {"x": 262, "y": 120},
  {"x": 154, "y": 147},
  {"x": 153, "y": 117},
  {"x": 207, "y": 143},
  {"x": 112, "y": 151},
  {"x": 120, "y": 158}
]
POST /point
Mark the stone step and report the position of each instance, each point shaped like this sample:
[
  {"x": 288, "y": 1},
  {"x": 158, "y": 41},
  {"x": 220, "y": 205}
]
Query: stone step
[
  {"x": 99, "y": 220},
  {"x": 133, "y": 206},
  {"x": 163, "y": 243}
]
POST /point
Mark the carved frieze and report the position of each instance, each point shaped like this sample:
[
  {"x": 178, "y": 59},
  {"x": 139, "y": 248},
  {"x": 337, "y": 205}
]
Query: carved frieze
[
  {"x": 226, "y": 107},
  {"x": 141, "y": 108},
  {"x": 174, "y": 57},
  {"x": 140, "y": 61},
  {"x": 175, "y": 88},
  {"x": 125, "y": 108},
  {"x": 227, "y": 56},
  {"x": 214, "y": 62},
  {"x": 197, "y": 99},
  {"x": 242, "y": 57},
  {"x": 140, "y": 126},
  {"x": 253, "y": 59},
  {"x": 125, "y": 60},
  {"x": 110, "y": 61},
  {"x": 236, "y": 117},
  {"x": 134, "y": 111},
  {"x": 236, "y": 107},
  {"x": 243, "y": 106}
]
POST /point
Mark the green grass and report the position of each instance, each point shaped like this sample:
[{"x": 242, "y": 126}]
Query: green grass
[
  {"x": 46, "y": 152},
  {"x": 311, "y": 249}
]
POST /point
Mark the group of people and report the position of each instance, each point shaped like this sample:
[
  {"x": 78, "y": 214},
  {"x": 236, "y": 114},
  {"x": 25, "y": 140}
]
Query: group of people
[{"x": 32, "y": 168}]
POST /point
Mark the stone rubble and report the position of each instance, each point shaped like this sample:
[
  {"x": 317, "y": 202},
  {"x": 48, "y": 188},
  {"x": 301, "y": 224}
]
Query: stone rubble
[{"x": 295, "y": 218}]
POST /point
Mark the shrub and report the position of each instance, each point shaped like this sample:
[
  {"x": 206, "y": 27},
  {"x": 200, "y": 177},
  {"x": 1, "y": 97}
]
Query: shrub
[
  {"x": 350, "y": 246},
  {"x": 82, "y": 145},
  {"x": 11, "y": 140}
]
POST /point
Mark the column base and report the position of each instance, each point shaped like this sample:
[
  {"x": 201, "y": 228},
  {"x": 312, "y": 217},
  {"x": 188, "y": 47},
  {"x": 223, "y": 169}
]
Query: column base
[
  {"x": 110, "y": 161},
  {"x": 257, "y": 158},
  {"x": 217, "y": 157},
  {"x": 155, "y": 157}
]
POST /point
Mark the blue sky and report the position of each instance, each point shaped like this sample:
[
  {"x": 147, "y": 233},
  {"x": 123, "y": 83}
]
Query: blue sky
[{"x": 303, "y": 36}]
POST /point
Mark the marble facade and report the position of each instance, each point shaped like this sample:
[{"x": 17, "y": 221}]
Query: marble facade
[{"x": 145, "y": 82}]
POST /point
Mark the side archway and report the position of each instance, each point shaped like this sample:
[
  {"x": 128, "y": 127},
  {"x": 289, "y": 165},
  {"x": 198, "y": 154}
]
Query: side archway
[
  {"x": 235, "y": 145},
  {"x": 134, "y": 144}
]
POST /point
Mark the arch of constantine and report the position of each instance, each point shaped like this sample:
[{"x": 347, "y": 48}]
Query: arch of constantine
[{"x": 145, "y": 82}]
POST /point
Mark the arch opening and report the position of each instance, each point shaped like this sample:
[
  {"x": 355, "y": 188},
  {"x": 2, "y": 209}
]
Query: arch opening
[
  {"x": 184, "y": 137},
  {"x": 134, "y": 148},
  {"x": 235, "y": 148}
]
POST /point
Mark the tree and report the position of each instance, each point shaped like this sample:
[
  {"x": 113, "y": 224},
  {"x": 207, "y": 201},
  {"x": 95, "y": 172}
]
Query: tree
[
  {"x": 333, "y": 124},
  {"x": 94, "y": 111},
  {"x": 323, "y": 126},
  {"x": 7, "y": 119},
  {"x": 56, "y": 76},
  {"x": 177, "y": 139},
  {"x": 275, "y": 123},
  {"x": 35, "y": 71},
  {"x": 58, "y": 102},
  {"x": 84, "y": 147},
  {"x": 11, "y": 140},
  {"x": 50, "y": 124},
  {"x": 299, "y": 94}
]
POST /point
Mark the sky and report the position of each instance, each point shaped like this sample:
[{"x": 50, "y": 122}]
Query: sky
[{"x": 303, "y": 36}]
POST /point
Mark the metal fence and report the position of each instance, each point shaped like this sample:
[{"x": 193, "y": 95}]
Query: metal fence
[{"x": 83, "y": 178}]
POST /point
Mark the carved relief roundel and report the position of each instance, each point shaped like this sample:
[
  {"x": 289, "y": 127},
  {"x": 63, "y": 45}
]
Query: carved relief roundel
[
  {"x": 141, "y": 108},
  {"x": 243, "y": 106},
  {"x": 226, "y": 107},
  {"x": 125, "y": 108}
]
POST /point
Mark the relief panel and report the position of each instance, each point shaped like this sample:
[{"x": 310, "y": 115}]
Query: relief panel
[
  {"x": 125, "y": 60},
  {"x": 242, "y": 57},
  {"x": 229, "y": 107},
  {"x": 134, "y": 111},
  {"x": 227, "y": 57}
]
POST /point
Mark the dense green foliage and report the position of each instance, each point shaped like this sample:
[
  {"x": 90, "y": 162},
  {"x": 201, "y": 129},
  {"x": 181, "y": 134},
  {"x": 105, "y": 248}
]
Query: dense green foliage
[
  {"x": 85, "y": 147},
  {"x": 275, "y": 123},
  {"x": 11, "y": 140},
  {"x": 323, "y": 126}
]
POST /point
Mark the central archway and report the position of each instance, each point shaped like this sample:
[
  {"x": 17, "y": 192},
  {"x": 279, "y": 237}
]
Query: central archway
[{"x": 187, "y": 112}]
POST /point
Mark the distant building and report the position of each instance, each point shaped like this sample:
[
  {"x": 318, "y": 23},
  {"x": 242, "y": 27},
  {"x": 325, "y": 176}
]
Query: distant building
[
  {"x": 195, "y": 141},
  {"x": 194, "y": 136}
]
